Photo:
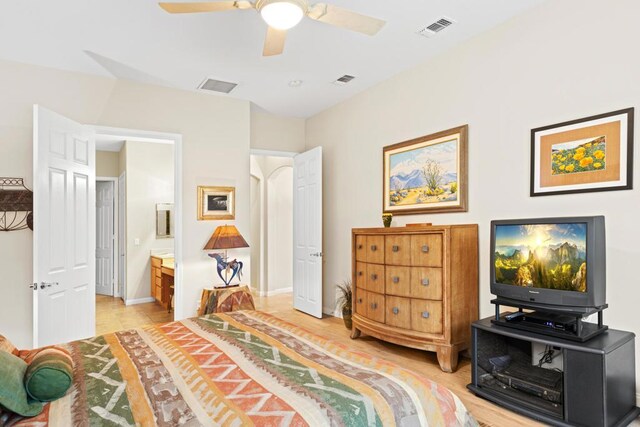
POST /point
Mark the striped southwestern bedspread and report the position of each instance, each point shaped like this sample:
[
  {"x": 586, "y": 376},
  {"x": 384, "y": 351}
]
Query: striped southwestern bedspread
[{"x": 240, "y": 369}]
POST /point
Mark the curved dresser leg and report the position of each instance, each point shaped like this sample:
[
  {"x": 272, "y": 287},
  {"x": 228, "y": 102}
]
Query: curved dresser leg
[
  {"x": 355, "y": 333},
  {"x": 448, "y": 358}
]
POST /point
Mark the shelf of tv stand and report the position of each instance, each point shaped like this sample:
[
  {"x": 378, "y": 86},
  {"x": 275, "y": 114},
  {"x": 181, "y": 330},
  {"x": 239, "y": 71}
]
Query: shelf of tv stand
[{"x": 571, "y": 311}]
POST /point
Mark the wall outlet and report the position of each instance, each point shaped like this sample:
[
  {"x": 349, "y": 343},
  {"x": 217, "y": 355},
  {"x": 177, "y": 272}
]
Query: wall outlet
[{"x": 136, "y": 241}]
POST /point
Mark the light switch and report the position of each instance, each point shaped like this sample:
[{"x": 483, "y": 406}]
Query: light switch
[{"x": 136, "y": 241}]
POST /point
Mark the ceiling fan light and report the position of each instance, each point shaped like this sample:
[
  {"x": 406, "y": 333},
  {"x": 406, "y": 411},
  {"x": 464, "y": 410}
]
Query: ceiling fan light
[{"x": 282, "y": 15}]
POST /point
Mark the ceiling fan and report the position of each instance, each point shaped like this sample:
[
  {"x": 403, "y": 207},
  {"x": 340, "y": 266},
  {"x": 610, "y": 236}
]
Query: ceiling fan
[{"x": 282, "y": 15}]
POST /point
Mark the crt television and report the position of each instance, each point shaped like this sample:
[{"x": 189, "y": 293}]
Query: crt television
[{"x": 553, "y": 261}]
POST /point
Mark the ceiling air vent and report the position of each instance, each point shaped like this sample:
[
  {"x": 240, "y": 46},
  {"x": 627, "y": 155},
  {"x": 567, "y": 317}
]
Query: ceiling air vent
[
  {"x": 344, "y": 80},
  {"x": 433, "y": 29},
  {"x": 217, "y": 86}
]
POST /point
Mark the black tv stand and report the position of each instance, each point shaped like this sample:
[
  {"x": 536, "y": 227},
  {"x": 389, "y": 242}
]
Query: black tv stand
[
  {"x": 578, "y": 331},
  {"x": 597, "y": 385}
]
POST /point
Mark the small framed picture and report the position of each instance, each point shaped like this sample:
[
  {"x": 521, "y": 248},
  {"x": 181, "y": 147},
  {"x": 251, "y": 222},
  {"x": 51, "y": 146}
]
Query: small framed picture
[
  {"x": 216, "y": 203},
  {"x": 585, "y": 155}
]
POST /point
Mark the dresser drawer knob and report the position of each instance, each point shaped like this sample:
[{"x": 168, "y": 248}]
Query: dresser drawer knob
[
  {"x": 425, "y": 314},
  {"x": 374, "y": 305},
  {"x": 359, "y": 273},
  {"x": 374, "y": 277},
  {"x": 395, "y": 279},
  {"x": 359, "y": 246},
  {"x": 425, "y": 282},
  {"x": 374, "y": 248},
  {"x": 396, "y": 310},
  {"x": 359, "y": 300},
  {"x": 395, "y": 248},
  {"x": 425, "y": 249}
]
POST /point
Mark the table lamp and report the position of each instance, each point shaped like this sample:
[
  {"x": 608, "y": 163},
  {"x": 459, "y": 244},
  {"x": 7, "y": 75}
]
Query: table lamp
[{"x": 226, "y": 237}]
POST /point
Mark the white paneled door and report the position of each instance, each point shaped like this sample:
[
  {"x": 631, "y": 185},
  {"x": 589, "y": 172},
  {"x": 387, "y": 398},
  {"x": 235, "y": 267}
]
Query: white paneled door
[
  {"x": 307, "y": 232},
  {"x": 104, "y": 237},
  {"x": 64, "y": 229}
]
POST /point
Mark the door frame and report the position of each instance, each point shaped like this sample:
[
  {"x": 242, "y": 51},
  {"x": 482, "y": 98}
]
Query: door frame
[
  {"x": 116, "y": 225},
  {"x": 176, "y": 140}
]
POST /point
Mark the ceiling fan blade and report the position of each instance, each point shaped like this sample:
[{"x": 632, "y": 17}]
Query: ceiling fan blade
[
  {"x": 274, "y": 43},
  {"x": 210, "y": 6},
  {"x": 344, "y": 18}
]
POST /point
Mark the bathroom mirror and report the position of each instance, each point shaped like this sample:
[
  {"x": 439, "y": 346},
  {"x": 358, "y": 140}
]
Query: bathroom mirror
[{"x": 164, "y": 220}]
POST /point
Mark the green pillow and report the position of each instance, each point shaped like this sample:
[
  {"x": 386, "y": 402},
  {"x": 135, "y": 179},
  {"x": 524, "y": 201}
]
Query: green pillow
[
  {"x": 13, "y": 396},
  {"x": 49, "y": 374}
]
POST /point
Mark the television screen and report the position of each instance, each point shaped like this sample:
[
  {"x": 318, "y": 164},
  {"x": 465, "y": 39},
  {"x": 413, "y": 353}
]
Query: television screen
[{"x": 549, "y": 256}]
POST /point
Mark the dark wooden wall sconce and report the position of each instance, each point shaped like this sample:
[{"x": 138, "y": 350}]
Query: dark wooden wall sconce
[{"x": 16, "y": 205}]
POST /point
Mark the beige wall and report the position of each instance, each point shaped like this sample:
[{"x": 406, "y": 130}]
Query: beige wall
[
  {"x": 149, "y": 181},
  {"x": 278, "y": 133},
  {"x": 215, "y": 152},
  {"x": 107, "y": 164},
  {"x": 544, "y": 67}
]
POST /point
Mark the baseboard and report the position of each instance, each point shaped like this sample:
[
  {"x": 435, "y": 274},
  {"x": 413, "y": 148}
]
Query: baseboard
[
  {"x": 332, "y": 312},
  {"x": 139, "y": 301},
  {"x": 272, "y": 293},
  {"x": 638, "y": 400}
]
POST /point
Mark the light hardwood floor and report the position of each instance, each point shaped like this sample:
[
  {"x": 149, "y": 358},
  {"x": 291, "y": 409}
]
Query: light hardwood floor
[{"x": 113, "y": 315}]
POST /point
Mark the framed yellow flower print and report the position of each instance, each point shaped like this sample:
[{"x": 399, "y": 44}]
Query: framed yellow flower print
[{"x": 585, "y": 155}]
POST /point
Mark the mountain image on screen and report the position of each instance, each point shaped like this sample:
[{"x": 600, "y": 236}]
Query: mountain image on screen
[{"x": 550, "y": 256}]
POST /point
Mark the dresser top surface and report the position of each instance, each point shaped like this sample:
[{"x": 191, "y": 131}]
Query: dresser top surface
[{"x": 410, "y": 229}]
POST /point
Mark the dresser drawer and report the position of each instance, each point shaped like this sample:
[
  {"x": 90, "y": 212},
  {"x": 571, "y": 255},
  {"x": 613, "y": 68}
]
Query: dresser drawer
[
  {"x": 375, "y": 249},
  {"x": 157, "y": 271},
  {"x": 398, "y": 312},
  {"x": 361, "y": 251},
  {"x": 361, "y": 302},
  {"x": 398, "y": 281},
  {"x": 375, "y": 307},
  {"x": 397, "y": 250},
  {"x": 156, "y": 262},
  {"x": 374, "y": 280},
  {"x": 426, "y": 250},
  {"x": 361, "y": 275},
  {"x": 426, "y": 316},
  {"x": 426, "y": 282}
]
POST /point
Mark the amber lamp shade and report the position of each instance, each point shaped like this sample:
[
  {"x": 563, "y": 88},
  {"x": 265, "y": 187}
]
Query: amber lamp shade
[{"x": 226, "y": 237}]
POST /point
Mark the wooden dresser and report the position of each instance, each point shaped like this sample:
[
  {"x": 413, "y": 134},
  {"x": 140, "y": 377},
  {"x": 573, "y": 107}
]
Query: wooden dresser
[{"x": 417, "y": 286}]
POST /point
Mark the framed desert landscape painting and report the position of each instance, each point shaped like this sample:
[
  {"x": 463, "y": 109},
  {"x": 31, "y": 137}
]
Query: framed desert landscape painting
[
  {"x": 427, "y": 174},
  {"x": 585, "y": 155},
  {"x": 216, "y": 203}
]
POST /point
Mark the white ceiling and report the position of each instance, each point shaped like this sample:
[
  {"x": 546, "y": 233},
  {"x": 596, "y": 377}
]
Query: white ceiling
[{"x": 137, "y": 40}]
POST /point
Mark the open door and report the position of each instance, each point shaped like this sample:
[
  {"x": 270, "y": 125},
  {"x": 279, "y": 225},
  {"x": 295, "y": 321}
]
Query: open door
[
  {"x": 64, "y": 229},
  {"x": 307, "y": 232}
]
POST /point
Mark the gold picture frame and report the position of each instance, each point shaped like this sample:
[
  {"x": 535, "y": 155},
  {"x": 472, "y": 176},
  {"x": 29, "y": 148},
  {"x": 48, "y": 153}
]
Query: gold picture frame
[
  {"x": 216, "y": 203},
  {"x": 426, "y": 174}
]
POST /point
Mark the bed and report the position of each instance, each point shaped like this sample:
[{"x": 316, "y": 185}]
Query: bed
[{"x": 238, "y": 369}]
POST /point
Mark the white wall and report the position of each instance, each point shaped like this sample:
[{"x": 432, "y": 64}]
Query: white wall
[
  {"x": 280, "y": 230},
  {"x": 272, "y": 227},
  {"x": 544, "y": 67},
  {"x": 107, "y": 163},
  {"x": 150, "y": 180},
  {"x": 215, "y": 132},
  {"x": 272, "y": 132}
]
